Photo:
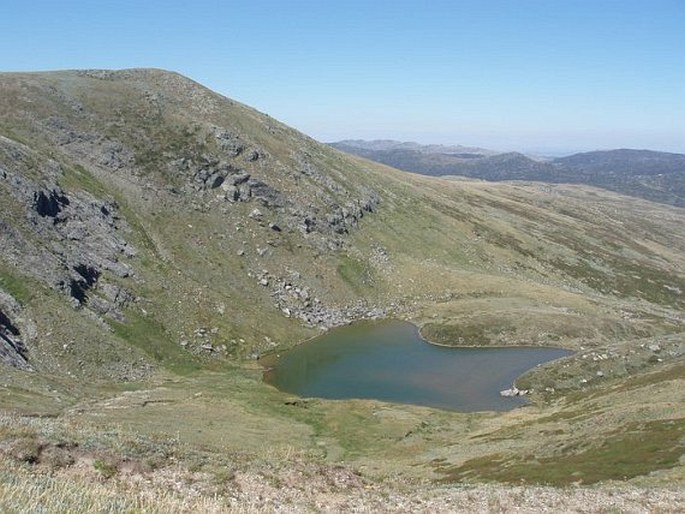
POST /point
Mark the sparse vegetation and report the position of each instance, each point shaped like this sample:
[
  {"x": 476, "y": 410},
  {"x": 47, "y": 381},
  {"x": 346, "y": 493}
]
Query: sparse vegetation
[{"x": 105, "y": 468}]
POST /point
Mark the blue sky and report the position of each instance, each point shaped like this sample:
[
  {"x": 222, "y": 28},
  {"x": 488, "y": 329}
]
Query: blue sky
[{"x": 536, "y": 75}]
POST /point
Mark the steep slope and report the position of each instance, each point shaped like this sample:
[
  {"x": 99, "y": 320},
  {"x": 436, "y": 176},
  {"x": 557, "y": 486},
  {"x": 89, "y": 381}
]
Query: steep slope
[
  {"x": 655, "y": 176},
  {"x": 138, "y": 185},
  {"x": 157, "y": 233}
]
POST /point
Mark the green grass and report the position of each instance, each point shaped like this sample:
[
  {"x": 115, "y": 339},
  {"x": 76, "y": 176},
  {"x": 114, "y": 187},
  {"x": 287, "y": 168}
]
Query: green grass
[
  {"x": 150, "y": 336},
  {"x": 455, "y": 335},
  {"x": 105, "y": 468},
  {"x": 675, "y": 371},
  {"x": 356, "y": 274},
  {"x": 10, "y": 133},
  {"x": 479, "y": 263},
  {"x": 18, "y": 287},
  {"x": 76, "y": 177},
  {"x": 619, "y": 275},
  {"x": 636, "y": 449}
]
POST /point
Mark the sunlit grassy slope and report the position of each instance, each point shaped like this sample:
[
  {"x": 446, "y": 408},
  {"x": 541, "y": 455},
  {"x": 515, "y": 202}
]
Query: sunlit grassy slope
[{"x": 214, "y": 282}]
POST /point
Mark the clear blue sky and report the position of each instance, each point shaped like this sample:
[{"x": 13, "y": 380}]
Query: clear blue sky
[{"x": 547, "y": 75}]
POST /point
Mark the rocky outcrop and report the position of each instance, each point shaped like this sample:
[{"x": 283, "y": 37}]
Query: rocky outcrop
[
  {"x": 229, "y": 142},
  {"x": 111, "y": 300},
  {"x": 65, "y": 240},
  {"x": 87, "y": 146},
  {"x": 13, "y": 351},
  {"x": 334, "y": 219},
  {"x": 165, "y": 139},
  {"x": 344, "y": 218},
  {"x": 513, "y": 392},
  {"x": 236, "y": 184}
]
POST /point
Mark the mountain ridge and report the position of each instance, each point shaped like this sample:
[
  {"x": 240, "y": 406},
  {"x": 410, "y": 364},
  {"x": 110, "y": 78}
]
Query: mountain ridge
[{"x": 648, "y": 174}]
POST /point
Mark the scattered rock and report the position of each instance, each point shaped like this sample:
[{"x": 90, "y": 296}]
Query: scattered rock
[{"x": 513, "y": 391}]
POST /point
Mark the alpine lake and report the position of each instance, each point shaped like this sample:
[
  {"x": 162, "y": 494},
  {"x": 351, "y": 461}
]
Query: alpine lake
[{"x": 389, "y": 361}]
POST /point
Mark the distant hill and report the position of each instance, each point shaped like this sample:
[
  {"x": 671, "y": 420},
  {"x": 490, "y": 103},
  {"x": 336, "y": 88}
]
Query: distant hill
[
  {"x": 389, "y": 144},
  {"x": 655, "y": 176}
]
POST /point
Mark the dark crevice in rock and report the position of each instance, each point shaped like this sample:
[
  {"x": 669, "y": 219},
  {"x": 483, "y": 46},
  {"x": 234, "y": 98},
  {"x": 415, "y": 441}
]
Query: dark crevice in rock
[
  {"x": 12, "y": 348},
  {"x": 78, "y": 288},
  {"x": 89, "y": 274},
  {"x": 15, "y": 343},
  {"x": 217, "y": 181},
  {"x": 6, "y": 324},
  {"x": 49, "y": 205}
]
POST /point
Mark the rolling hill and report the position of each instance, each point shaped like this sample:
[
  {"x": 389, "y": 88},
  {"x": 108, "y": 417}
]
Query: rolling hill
[{"x": 654, "y": 176}]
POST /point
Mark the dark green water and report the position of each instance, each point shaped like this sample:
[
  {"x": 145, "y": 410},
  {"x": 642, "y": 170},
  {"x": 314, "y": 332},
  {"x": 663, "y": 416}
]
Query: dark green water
[{"x": 389, "y": 361}]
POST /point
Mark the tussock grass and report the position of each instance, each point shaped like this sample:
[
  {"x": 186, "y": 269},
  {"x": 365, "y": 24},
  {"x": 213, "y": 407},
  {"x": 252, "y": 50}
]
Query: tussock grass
[{"x": 23, "y": 491}]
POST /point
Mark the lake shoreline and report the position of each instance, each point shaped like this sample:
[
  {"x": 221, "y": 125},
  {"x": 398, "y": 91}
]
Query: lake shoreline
[{"x": 390, "y": 360}]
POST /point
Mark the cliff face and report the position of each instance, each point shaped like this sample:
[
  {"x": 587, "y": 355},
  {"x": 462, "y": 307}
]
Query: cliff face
[{"x": 12, "y": 348}]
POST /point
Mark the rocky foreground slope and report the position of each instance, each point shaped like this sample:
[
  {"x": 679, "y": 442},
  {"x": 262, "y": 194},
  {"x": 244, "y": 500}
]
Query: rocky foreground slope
[{"x": 156, "y": 238}]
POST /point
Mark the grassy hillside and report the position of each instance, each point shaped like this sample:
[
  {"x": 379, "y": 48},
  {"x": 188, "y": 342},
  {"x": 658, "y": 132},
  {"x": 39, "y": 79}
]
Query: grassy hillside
[{"x": 157, "y": 238}]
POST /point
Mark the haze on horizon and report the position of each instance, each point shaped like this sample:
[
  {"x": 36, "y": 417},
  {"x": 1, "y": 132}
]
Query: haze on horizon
[{"x": 533, "y": 76}]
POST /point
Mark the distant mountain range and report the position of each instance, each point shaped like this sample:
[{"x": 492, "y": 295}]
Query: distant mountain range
[
  {"x": 384, "y": 145},
  {"x": 654, "y": 176}
]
